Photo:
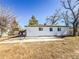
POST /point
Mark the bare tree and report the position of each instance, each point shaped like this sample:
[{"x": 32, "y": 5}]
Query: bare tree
[
  {"x": 14, "y": 27},
  {"x": 65, "y": 16},
  {"x": 74, "y": 10},
  {"x": 55, "y": 17},
  {"x": 5, "y": 18}
]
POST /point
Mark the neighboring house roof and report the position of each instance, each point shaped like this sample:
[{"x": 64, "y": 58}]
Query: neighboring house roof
[{"x": 47, "y": 26}]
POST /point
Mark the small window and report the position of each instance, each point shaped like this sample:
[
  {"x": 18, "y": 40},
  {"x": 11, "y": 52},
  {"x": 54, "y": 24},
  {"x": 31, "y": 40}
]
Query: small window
[
  {"x": 50, "y": 29},
  {"x": 40, "y": 29},
  {"x": 59, "y": 29}
]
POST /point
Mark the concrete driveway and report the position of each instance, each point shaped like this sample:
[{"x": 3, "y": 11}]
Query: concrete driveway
[{"x": 30, "y": 39}]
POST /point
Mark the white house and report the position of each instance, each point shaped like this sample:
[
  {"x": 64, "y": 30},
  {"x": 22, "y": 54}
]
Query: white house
[{"x": 48, "y": 31}]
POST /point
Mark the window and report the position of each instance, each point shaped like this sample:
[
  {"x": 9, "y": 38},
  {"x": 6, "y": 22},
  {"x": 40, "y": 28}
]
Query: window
[
  {"x": 50, "y": 29},
  {"x": 40, "y": 29},
  {"x": 59, "y": 29}
]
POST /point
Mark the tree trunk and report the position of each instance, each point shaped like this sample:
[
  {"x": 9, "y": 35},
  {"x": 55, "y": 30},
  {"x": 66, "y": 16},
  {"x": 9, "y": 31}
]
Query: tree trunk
[{"x": 74, "y": 30}]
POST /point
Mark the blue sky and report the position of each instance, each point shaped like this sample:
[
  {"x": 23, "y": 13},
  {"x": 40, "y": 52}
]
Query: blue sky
[{"x": 24, "y": 9}]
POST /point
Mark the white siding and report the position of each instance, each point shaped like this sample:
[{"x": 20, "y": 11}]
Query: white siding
[{"x": 34, "y": 31}]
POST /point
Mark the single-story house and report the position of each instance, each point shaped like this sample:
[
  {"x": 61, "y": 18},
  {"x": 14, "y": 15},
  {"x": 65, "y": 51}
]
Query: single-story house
[{"x": 46, "y": 31}]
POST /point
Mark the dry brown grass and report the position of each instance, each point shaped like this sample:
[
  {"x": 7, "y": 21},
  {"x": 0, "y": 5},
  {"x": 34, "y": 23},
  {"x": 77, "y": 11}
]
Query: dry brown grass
[
  {"x": 66, "y": 49},
  {"x": 6, "y": 38}
]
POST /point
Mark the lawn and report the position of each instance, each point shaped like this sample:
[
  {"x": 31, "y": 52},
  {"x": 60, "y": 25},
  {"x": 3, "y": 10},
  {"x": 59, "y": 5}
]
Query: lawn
[{"x": 65, "y": 49}]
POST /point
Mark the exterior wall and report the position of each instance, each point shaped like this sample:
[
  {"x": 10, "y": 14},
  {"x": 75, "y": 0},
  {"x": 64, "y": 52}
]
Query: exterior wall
[
  {"x": 70, "y": 31},
  {"x": 34, "y": 31}
]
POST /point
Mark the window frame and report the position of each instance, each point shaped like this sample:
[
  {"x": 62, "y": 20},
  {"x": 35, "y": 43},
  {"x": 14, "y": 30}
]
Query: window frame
[
  {"x": 40, "y": 29},
  {"x": 50, "y": 29},
  {"x": 58, "y": 29}
]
